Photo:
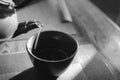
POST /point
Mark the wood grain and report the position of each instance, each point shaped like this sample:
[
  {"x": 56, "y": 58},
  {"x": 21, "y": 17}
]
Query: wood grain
[{"x": 98, "y": 28}]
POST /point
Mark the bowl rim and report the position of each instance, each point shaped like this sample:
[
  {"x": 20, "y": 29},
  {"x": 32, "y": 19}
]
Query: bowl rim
[{"x": 29, "y": 49}]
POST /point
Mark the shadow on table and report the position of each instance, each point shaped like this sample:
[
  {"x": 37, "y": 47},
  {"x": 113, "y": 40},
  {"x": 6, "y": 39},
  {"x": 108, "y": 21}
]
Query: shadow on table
[{"x": 29, "y": 74}]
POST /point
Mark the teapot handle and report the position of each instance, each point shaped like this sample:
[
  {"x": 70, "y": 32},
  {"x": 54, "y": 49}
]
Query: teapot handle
[{"x": 26, "y": 26}]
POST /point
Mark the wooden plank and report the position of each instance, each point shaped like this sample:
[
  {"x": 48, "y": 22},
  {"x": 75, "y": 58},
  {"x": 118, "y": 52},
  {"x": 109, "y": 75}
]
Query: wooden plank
[
  {"x": 96, "y": 69},
  {"x": 98, "y": 28}
]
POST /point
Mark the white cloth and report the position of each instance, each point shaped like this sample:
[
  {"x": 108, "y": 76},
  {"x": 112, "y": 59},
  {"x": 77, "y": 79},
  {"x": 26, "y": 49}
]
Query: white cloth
[{"x": 7, "y": 2}]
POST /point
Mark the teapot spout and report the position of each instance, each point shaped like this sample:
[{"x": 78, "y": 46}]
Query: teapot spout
[{"x": 25, "y": 27}]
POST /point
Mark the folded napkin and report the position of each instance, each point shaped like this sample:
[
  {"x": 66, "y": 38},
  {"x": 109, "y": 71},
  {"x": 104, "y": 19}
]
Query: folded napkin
[{"x": 13, "y": 58}]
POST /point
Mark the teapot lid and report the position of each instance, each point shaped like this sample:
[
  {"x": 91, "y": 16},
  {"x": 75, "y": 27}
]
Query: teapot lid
[
  {"x": 6, "y": 1},
  {"x": 6, "y": 8}
]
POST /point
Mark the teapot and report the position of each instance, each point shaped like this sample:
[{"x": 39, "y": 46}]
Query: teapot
[{"x": 9, "y": 25}]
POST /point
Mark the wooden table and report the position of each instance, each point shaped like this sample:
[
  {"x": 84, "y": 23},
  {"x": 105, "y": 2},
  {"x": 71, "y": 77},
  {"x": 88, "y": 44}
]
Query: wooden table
[{"x": 89, "y": 24}]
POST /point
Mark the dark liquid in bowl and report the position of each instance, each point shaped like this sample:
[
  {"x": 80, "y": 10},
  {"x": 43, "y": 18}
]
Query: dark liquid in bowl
[{"x": 51, "y": 54}]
